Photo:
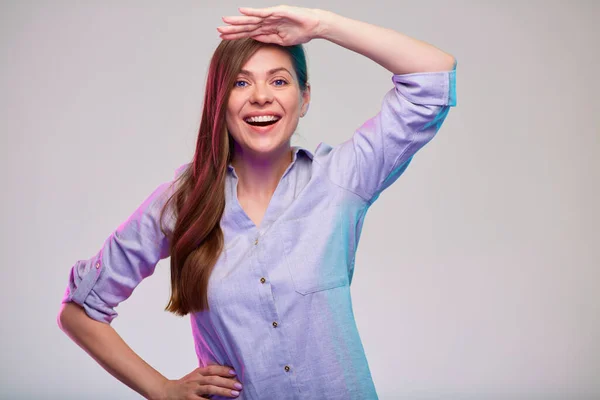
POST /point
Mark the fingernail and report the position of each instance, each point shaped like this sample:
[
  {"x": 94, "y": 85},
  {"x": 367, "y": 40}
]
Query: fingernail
[
  {"x": 232, "y": 372},
  {"x": 237, "y": 385},
  {"x": 235, "y": 392}
]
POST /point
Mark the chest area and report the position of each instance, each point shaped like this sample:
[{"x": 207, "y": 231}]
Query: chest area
[
  {"x": 254, "y": 209},
  {"x": 294, "y": 256}
]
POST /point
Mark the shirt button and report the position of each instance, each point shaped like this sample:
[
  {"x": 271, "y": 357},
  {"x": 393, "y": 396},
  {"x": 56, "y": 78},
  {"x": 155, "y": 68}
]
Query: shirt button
[
  {"x": 262, "y": 280},
  {"x": 255, "y": 242},
  {"x": 274, "y": 324},
  {"x": 287, "y": 368},
  {"x": 97, "y": 265}
]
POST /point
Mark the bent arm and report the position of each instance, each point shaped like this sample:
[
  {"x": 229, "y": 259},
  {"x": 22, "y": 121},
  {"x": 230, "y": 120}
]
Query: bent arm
[
  {"x": 411, "y": 114},
  {"x": 398, "y": 53},
  {"x": 97, "y": 285},
  {"x": 104, "y": 345}
]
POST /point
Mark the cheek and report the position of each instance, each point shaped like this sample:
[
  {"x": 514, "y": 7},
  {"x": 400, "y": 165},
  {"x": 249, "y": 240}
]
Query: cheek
[
  {"x": 229, "y": 116},
  {"x": 231, "y": 124},
  {"x": 234, "y": 105},
  {"x": 232, "y": 114},
  {"x": 292, "y": 104}
]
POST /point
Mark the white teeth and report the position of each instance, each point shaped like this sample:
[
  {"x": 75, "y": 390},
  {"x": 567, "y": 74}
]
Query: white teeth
[{"x": 262, "y": 118}]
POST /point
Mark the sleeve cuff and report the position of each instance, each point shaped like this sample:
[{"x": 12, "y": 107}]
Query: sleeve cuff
[
  {"x": 428, "y": 88},
  {"x": 82, "y": 279}
]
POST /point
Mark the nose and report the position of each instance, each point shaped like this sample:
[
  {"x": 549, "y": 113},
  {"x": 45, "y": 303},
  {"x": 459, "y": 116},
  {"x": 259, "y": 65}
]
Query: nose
[{"x": 261, "y": 94}]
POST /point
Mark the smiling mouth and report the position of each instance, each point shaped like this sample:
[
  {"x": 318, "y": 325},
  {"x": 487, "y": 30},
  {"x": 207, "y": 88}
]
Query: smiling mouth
[{"x": 266, "y": 123}]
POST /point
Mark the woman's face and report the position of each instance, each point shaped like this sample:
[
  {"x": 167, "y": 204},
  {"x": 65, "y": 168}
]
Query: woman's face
[{"x": 265, "y": 104}]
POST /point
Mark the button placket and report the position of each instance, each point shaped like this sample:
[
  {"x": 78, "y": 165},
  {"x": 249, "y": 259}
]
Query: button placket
[{"x": 261, "y": 261}]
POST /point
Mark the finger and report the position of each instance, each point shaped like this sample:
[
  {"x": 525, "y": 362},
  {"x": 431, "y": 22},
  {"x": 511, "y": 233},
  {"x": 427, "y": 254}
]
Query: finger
[
  {"x": 216, "y": 369},
  {"x": 228, "y": 30},
  {"x": 241, "y": 20},
  {"x": 215, "y": 380},
  {"x": 268, "y": 39},
  {"x": 235, "y": 36},
  {"x": 257, "y": 12},
  {"x": 261, "y": 38},
  {"x": 205, "y": 390}
]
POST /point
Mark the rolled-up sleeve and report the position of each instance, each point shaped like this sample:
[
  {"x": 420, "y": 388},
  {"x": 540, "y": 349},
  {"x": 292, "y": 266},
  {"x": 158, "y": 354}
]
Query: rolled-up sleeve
[
  {"x": 128, "y": 255},
  {"x": 382, "y": 148}
]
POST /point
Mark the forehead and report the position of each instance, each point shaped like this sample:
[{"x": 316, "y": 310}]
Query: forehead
[{"x": 266, "y": 59}]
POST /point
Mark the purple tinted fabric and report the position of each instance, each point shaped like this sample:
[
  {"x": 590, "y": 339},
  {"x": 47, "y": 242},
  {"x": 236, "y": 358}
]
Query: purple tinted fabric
[{"x": 280, "y": 306}]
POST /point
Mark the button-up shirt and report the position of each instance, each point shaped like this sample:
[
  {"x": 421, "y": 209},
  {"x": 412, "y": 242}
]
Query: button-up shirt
[{"x": 279, "y": 295}]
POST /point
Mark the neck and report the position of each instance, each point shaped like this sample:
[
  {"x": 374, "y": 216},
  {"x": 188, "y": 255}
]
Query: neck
[{"x": 259, "y": 175}]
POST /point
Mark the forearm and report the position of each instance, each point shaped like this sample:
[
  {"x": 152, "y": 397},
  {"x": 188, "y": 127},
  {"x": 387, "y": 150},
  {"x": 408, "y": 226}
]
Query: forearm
[
  {"x": 398, "y": 53},
  {"x": 105, "y": 345}
]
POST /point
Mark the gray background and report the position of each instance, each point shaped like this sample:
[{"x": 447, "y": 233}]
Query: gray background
[{"x": 477, "y": 272}]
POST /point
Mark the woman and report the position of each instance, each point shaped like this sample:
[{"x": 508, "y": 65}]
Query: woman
[{"x": 261, "y": 235}]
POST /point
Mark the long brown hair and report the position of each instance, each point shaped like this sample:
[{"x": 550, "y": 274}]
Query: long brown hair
[{"x": 197, "y": 239}]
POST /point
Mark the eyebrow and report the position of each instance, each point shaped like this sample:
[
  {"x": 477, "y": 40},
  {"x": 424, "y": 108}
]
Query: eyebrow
[{"x": 269, "y": 72}]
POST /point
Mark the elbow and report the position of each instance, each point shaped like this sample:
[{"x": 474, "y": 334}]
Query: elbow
[
  {"x": 61, "y": 318},
  {"x": 441, "y": 63},
  {"x": 450, "y": 63},
  {"x": 67, "y": 316}
]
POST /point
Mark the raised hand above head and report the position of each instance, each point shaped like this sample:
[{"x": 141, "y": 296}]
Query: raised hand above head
[{"x": 283, "y": 25}]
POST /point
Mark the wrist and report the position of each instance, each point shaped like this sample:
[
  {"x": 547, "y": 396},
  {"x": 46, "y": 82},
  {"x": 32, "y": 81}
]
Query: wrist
[
  {"x": 325, "y": 22},
  {"x": 159, "y": 391}
]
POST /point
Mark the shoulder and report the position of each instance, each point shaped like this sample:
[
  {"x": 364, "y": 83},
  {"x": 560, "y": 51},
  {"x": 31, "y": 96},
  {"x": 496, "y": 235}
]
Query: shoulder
[{"x": 181, "y": 169}]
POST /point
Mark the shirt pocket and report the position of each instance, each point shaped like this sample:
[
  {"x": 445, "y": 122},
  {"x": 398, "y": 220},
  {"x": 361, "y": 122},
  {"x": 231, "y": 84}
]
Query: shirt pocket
[{"x": 316, "y": 251}]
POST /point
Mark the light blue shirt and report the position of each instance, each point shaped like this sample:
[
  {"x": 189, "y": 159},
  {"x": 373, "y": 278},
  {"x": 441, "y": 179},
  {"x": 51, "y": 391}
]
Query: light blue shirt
[{"x": 280, "y": 306}]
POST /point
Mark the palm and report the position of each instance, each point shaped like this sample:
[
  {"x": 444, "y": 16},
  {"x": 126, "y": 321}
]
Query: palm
[{"x": 283, "y": 25}]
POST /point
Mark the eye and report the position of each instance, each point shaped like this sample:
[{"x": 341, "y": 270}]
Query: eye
[
  {"x": 240, "y": 83},
  {"x": 282, "y": 82}
]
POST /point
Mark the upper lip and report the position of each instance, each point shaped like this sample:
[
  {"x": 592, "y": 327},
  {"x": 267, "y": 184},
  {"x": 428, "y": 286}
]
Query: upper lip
[{"x": 261, "y": 113}]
